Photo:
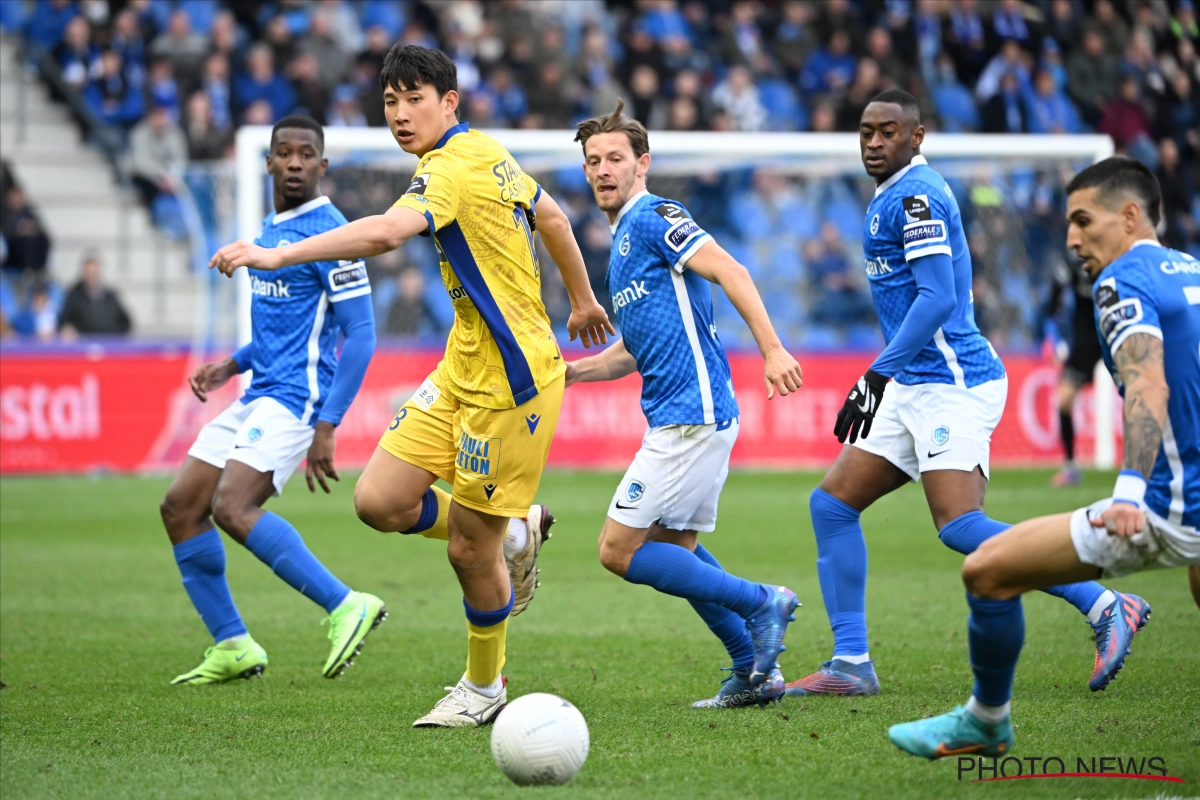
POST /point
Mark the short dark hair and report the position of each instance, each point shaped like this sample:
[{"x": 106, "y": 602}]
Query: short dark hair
[
  {"x": 408, "y": 66},
  {"x": 302, "y": 122},
  {"x": 616, "y": 122},
  {"x": 1121, "y": 175},
  {"x": 901, "y": 98}
]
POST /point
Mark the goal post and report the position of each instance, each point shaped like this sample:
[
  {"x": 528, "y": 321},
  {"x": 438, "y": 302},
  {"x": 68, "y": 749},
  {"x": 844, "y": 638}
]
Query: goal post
[{"x": 815, "y": 155}]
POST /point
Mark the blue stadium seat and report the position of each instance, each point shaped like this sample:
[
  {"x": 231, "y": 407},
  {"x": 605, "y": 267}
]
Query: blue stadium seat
[{"x": 785, "y": 112}]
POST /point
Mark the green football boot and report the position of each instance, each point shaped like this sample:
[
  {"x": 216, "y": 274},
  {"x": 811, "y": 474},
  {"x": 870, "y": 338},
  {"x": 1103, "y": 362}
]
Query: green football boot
[
  {"x": 233, "y": 658},
  {"x": 349, "y": 624}
]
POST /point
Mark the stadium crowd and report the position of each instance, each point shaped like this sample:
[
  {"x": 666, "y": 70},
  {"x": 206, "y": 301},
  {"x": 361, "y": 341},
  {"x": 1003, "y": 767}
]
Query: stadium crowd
[{"x": 180, "y": 75}]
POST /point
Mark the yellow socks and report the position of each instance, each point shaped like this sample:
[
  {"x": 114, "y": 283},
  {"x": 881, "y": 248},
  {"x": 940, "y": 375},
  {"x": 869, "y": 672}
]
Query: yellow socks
[
  {"x": 435, "y": 513},
  {"x": 486, "y": 633}
]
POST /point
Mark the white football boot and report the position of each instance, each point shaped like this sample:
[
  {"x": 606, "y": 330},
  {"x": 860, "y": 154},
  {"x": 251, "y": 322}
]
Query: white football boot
[
  {"x": 465, "y": 708},
  {"x": 522, "y": 566}
]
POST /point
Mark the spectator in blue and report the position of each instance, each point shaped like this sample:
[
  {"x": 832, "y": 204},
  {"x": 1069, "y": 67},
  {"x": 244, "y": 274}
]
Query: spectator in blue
[
  {"x": 507, "y": 95},
  {"x": 161, "y": 88},
  {"x": 1052, "y": 60},
  {"x": 1048, "y": 109},
  {"x": 260, "y": 81},
  {"x": 830, "y": 68},
  {"x": 966, "y": 40},
  {"x": 927, "y": 31},
  {"x": 665, "y": 23},
  {"x": 386, "y": 14},
  {"x": 215, "y": 84},
  {"x": 837, "y": 298},
  {"x": 111, "y": 96},
  {"x": 1008, "y": 22},
  {"x": 39, "y": 317},
  {"x": 1004, "y": 112},
  {"x": 793, "y": 40},
  {"x": 77, "y": 56},
  {"x": 954, "y": 102},
  {"x": 126, "y": 38},
  {"x": 48, "y": 23},
  {"x": 1009, "y": 61}
]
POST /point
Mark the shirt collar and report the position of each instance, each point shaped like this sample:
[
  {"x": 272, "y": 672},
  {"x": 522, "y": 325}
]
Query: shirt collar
[
  {"x": 461, "y": 127},
  {"x": 1141, "y": 242},
  {"x": 630, "y": 203},
  {"x": 292, "y": 213},
  {"x": 883, "y": 187}
]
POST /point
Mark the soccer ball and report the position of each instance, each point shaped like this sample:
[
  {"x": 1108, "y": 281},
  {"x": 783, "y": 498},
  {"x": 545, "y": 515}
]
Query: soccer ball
[{"x": 540, "y": 739}]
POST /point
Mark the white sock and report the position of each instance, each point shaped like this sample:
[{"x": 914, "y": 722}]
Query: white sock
[
  {"x": 518, "y": 534},
  {"x": 864, "y": 658},
  {"x": 234, "y": 641},
  {"x": 1102, "y": 602},
  {"x": 491, "y": 690},
  {"x": 989, "y": 714}
]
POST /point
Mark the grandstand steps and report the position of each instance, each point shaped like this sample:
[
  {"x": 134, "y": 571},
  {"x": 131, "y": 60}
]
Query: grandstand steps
[{"x": 74, "y": 191}]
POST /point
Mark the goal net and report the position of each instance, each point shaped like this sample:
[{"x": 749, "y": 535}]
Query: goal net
[{"x": 790, "y": 207}]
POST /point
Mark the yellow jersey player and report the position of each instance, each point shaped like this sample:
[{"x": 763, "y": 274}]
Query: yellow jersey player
[{"x": 484, "y": 419}]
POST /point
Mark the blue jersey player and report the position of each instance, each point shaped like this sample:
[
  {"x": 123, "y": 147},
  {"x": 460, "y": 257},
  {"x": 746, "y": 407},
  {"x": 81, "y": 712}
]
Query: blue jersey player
[
  {"x": 299, "y": 392},
  {"x": 945, "y": 392},
  {"x": 658, "y": 273},
  {"x": 1147, "y": 300}
]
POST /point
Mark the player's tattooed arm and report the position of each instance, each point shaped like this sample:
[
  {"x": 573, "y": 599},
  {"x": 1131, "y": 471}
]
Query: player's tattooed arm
[
  {"x": 1139, "y": 362},
  {"x": 781, "y": 372},
  {"x": 612, "y": 363}
]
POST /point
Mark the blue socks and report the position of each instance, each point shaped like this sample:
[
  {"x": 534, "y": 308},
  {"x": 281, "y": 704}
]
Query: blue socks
[
  {"x": 201, "y": 561},
  {"x": 995, "y": 634},
  {"x": 674, "y": 570},
  {"x": 279, "y": 546},
  {"x": 728, "y": 626},
  {"x": 842, "y": 570},
  {"x": 964, "y": 534}
]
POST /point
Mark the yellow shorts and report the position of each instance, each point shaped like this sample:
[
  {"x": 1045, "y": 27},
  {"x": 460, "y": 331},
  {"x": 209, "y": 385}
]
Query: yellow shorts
[{"x": 493, "y": 458}]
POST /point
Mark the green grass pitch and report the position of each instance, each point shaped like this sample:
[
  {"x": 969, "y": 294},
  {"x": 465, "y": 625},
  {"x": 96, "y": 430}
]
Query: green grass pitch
[{"x": 94, "y": 623}]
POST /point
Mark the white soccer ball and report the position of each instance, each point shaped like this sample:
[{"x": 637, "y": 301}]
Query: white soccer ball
[{"x": 540, "y": 739}]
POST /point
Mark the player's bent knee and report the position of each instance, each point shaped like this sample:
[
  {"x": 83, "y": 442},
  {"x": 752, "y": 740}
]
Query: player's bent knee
[
  {"x": 383, "y": 512},
  {"x": 979, "y": 576},
  {"x": 614, "y": 558}
]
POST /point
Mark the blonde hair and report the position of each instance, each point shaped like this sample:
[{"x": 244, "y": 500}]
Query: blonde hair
[{"x": 616, "y": 122}]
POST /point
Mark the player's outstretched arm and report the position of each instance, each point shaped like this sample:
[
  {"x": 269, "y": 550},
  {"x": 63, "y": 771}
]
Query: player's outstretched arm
[
  {"x": 782, "y": 373},
  {"x": 608, "y": 365},
  {"x": 588, "y": 319},
  {"x": 1139, "y": 362},
  {"x": 363, "y": 238}
]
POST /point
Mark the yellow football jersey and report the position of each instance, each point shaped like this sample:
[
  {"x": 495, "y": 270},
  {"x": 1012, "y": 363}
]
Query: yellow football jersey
[{"x": 501, "y": 350}]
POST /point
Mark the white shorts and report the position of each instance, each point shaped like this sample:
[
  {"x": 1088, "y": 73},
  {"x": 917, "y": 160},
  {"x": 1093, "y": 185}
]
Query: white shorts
[
  {"x": 676, "y": 478},
  {"x": 261, "y": 434},
  {"x": 1162, "y": 544},
  {"x": 934, "y": 426}
]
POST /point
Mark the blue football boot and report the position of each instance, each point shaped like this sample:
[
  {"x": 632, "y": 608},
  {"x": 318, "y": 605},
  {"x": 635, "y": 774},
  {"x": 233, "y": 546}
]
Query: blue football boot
[
  {"x": 1125, "y": 616},
  {"x": 737, "y": 691},
  {"x": 838, "y": 677},
  {"x": 958, "y": 732},
  {"x": 767, "y": 625}
]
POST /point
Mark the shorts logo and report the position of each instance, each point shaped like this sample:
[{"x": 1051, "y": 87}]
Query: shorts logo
[
  {"x": 478, "y": 456},
  {"x": 489, "y": 490},
  {"x": 623, "y": 248},
  {"x": 532, "y": 421},
  {"x": 347, "y": 274},
  {"x": 874, "y": 224},
  {"x": 419, "y": 184},
  {"x": 916, "y": 208},
  {"x": 254, "y": 434},
  {"x": 635, "y": 491},
  {"x": 941, "y": 435},
  {"x": 427, "y": 394},
  {"x": 401, "y": 414}
]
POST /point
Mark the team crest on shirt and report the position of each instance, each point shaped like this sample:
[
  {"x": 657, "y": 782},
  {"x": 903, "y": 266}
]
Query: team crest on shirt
[
  {"x": 623, "y": 248},
  {"x": 478, "y": 456},
  {"x": 941, "y": 435},
  {"x": 635, "y": 491},
  {"x": 874, "y": 224}
]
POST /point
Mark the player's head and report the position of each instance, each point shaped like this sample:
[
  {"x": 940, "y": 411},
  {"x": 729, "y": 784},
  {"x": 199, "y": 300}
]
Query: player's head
[
  {"x": 297, "y": 160},
  {"x": 420, "y": 95},
  {"x": 890, "y": 133},
  {"x": 616, "y": 157},
  {"x": 1110, "y": 205}
]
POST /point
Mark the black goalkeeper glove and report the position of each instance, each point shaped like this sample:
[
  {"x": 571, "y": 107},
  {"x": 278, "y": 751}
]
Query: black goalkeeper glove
[{"x": 859, "y": 409}]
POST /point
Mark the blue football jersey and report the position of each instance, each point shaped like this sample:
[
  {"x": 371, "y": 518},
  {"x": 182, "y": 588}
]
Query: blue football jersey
[
  {"x": 1155, "y": 290},
  {"x": 914, "y": 214},
  {"x": 664, "y": 312},
  {"x": 295, "y": 338}
]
